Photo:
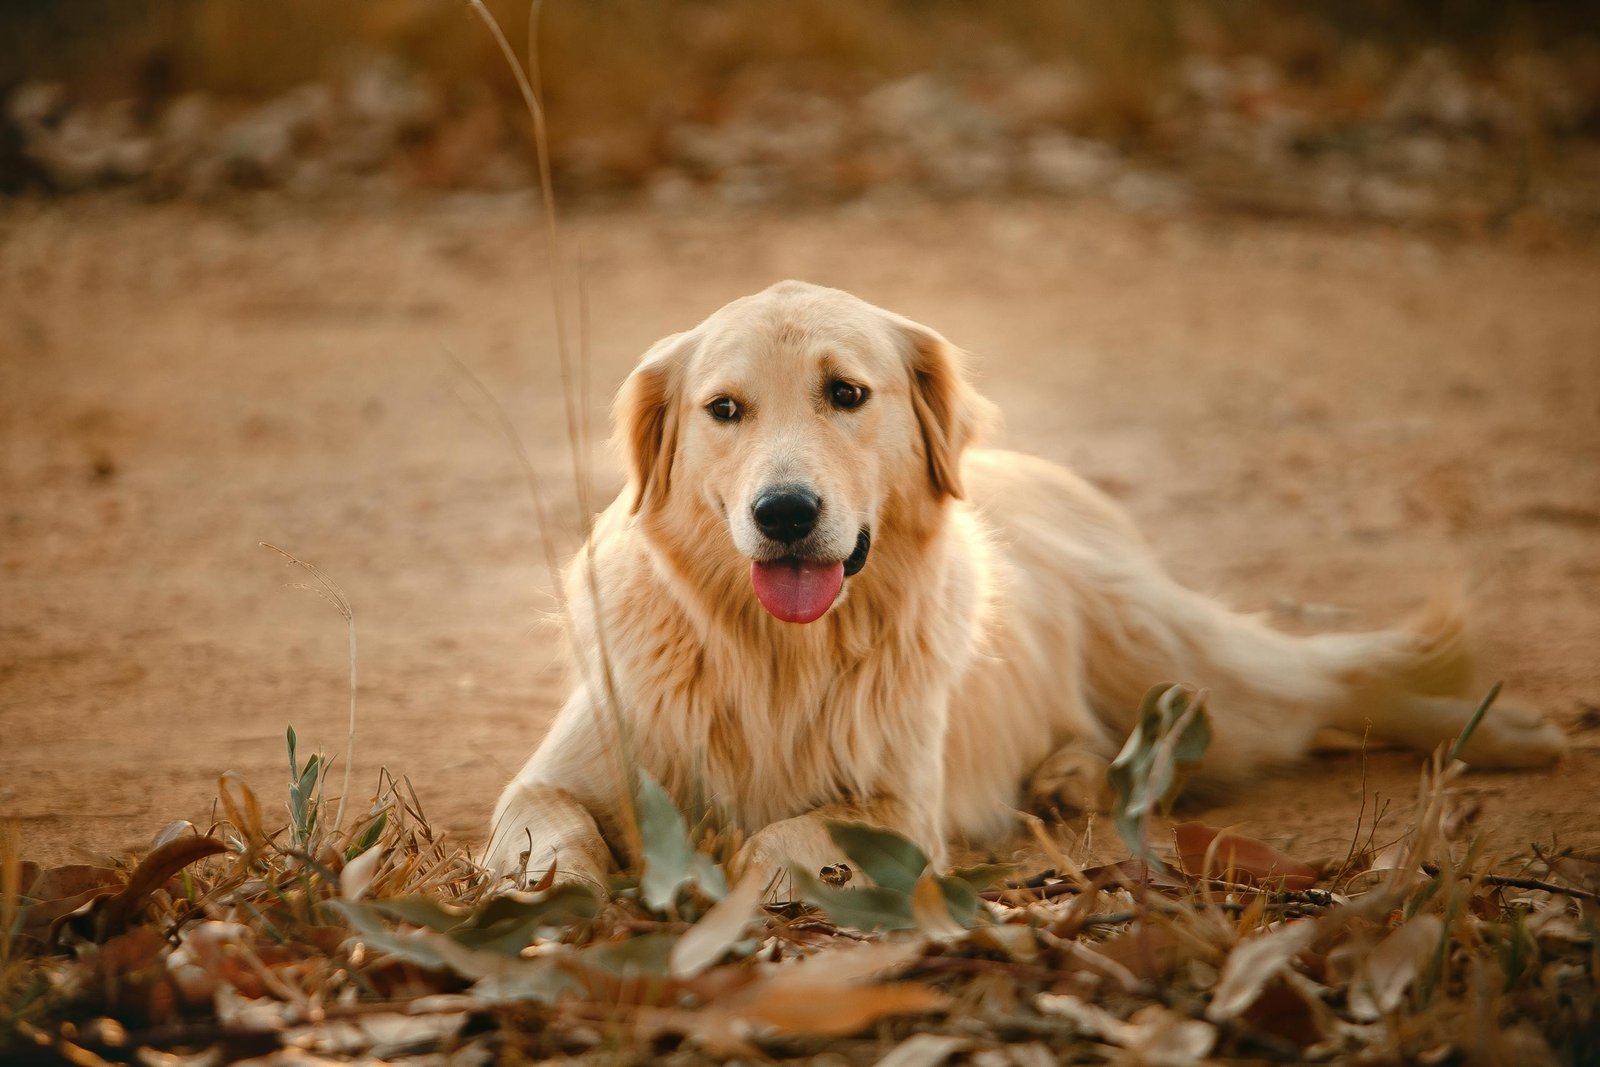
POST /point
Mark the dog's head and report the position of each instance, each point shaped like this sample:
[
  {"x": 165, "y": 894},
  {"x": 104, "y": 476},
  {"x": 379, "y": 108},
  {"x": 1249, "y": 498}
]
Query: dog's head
[{"x": 798, "y": 418}]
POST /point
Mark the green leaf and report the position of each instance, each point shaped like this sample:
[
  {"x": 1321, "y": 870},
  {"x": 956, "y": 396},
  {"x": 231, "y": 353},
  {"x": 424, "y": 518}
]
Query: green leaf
[
  {"x": 670, "y": 861},
  {"x": 420, "y": 911},
  {"x": 645, "y": 956},
  {"x": 1171, "y": 736},
  {"x": 868, "y": 909},
  {"x": 961, "y": 899},
  {"x": 368, "y": 837},
  {"x": 420, "y": 950},
  {"x": 504, "y": 924},
  {"x": 500, "y": 976},
  {"x": 889, "y": 859},
  {"x": 1476, "y": 718},
  {"x": 509, "y": 923},
  {"x": 541, "y": 980},
  {"x": 985, "y": 875}
]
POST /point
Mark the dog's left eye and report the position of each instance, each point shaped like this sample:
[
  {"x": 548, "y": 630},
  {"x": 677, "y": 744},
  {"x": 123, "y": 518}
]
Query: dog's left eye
[
  {"x": 725, "y": 409},
  {"x": 847, "y": 395}
]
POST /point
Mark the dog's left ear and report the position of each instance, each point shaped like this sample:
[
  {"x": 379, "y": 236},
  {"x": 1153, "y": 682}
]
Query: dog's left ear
[
  {"x": 646, "y": 418},
  {"x": 950, "y": 412}
]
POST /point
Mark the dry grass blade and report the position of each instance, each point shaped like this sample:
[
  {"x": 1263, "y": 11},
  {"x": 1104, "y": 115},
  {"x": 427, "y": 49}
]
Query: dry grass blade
[
  {"x": 10, "y": 885},
  {"x": 576, "y": 420}
]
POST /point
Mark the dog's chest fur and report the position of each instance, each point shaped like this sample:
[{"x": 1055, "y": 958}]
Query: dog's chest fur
[{"x": 766, "y": 720}]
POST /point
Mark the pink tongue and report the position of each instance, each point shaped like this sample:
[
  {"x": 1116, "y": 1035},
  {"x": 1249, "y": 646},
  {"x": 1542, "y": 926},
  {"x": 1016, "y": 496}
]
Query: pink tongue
[{"x": 797, "y": 592}]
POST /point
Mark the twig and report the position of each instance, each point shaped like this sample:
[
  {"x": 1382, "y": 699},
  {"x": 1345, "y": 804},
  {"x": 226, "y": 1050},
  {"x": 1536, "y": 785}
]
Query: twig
[{"x": 1502, "y": 881}]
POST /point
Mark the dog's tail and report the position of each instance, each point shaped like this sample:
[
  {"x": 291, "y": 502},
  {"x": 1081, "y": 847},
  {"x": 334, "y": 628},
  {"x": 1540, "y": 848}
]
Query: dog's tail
[
  {"x": 1271, "y": 692},
  {"x": 1427, "y": 655}
]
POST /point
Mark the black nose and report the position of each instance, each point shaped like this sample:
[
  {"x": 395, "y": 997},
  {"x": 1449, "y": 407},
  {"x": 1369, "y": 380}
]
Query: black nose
[{"x": 787, "y": 513}]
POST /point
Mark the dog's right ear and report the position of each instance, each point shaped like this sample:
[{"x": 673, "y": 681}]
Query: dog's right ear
[{"x": 646, "y": 418}]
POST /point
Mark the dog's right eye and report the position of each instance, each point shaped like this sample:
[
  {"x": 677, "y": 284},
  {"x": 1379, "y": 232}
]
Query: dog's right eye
[{"x": 725, "y": 409}]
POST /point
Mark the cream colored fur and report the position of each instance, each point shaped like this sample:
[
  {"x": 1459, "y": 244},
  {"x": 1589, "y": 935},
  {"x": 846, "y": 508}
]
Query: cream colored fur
[{"x": 998, "y": 640}]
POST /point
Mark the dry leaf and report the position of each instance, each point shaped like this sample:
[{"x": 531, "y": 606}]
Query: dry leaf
[
  {"x": 824, "y": 995},
  {"x": 1157, "y": 1036},
  {"x": 1086, "y": 1019},
  {"x": 1255, "y": 962},
  {"x": 830, "y": 1010},
  {"x": 719, "y": 928},
  {"x": 1160, "y": 1037},
  {"x": 1149, "y": 952},
  {"x": 357, "y": 875},
  {"x": 1291, "y": 1007},
  {"x": 153, "y": 871},
  {"x": 923, "y": 1050},
  {"x": 932, "y": 913},
  {"x": 1384, "y": 974},
  {"x": 1213, "y": 853}
]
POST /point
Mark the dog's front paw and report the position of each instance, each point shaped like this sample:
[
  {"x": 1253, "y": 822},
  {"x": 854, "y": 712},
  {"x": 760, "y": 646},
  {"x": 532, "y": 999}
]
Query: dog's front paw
[
  {"x": 776, "y": 849},
  {"x": 543, "y": 836},
  {"x": 1072, "y": 781},
  {"x": 1513, "y": 737},
  {"x": 531, "y": 869}
]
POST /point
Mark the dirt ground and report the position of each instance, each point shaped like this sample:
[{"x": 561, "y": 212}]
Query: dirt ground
[{"x": 1314, "y": 422}]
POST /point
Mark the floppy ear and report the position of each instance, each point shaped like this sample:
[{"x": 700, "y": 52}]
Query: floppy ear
[
  {"x": 950, "y": 413},
  {"x": 646, "y": 418}
]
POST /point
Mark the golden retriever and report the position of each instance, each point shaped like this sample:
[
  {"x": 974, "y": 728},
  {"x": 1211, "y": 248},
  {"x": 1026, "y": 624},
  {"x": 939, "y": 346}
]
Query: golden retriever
[{"x": 817, "y": 601}]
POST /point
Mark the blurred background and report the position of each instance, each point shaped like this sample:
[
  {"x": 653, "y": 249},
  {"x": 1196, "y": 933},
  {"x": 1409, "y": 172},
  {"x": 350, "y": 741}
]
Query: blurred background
[
  {"x": 1455, "y": 112},
  {"x": 1313, "y": 290}
]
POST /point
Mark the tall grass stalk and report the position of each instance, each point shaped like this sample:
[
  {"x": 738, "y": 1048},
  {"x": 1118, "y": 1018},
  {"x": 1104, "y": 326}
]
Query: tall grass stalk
[
  {"x": 10, "y": 884},
  {"x": 574, "y": 398}
]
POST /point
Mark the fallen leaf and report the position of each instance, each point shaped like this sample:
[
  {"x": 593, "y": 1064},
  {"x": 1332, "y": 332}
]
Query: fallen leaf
[
  {"x": 1158, "y": 1036},
  {"x": 889, "y": 859},
  {"x": 835, "y": 1010},
  {"x": 1161, "y": 1037},
  {"x": 717, "y": 930},
  {"x": 172, "y": 831},
  {"x": 153, "y": 871},
  {"x": 1384, "y": 974},
  {"x": 866, "y": 909},
  {"x": 1213, "y": 853},
  {"x": 931, "y": 912},
  {"x": 357, "y": 875},
  {"x": 1255, "y": 962},
  {"x": 923, "y": 1050},
  {"x": 1087, "y": 1019},
  {"x": 1291, "y": 1007},
  {"x": 670, "y": 860},
  {"x": 1150, "y": 952}
]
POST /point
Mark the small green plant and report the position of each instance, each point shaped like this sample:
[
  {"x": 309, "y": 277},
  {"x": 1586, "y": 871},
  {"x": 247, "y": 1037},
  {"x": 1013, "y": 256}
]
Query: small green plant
[
  {"x": 305, "y": 796},
  {"x": 1147, "y": 775}
]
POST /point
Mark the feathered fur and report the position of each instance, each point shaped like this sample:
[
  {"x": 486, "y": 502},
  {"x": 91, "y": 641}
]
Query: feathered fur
[{"x": 1008, "y": 611}]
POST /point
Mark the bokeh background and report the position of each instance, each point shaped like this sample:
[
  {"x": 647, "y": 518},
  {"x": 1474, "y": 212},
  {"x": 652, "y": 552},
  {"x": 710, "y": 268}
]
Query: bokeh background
[
  {"x": 1311, "y": 289},
  {"x": 1456, "y": 112}
]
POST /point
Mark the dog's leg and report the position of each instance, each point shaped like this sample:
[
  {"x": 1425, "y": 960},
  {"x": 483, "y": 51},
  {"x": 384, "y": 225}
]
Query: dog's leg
[
  {"x": 551, "y": 813},
  {"x": 1508, "y": 737},
  {"x": 1071, "y": 781}
]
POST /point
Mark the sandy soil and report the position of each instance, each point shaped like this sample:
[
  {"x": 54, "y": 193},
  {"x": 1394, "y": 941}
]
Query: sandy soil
[{"x": 1314, "y": 422}]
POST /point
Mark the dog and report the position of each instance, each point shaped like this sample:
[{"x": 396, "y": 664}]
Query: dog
[{"x": 818, "y": 600}]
